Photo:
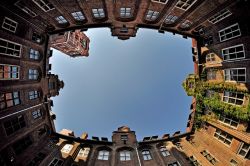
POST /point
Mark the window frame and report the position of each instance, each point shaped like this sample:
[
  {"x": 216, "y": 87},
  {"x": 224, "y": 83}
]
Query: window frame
[
  {"x": 8, "y": 42},
  {"x": 146, "y": 155},
  {"x": 184, "y": 3},
  {"x": 67, "y": 148},
  {"x": 10, "y": 72},
  {"x": 228, "y": 121},
  {"x": 186, "y": 24},
  {"x": 230, "y": 96},
  {"x": 246, "y": 151},
  {"x": 152, "y": 15},
  {"x": 210, "y": 157},
  {"x": 159, "y": 1},
  {"x": 83, "y": 152},
  {"x": 36, "y": 114},
  {"x": 44, "y": 4},
  {"x": 33, "y": 94},
  {"x": 223, "y": 137},
  {"x": 98, "y": 13},
  {"x": 33, "y": 74},
  {"x": 34, "y": 54},
  {"x": 164, "y": 151},
  {"x": 126, "y": 13},
  {"x": 56, "y": 164},
  {"x": 219, "y": 14},
  {"x": 125, "y": 155},
  {"x": 15, "y": 95},
  {"x": 235, "y": 52},
  {"x": 12, "y": 22},
  {"x": 231, "y": 32},
  {"x": 78, "y": 16},
  {"x": 230, "y": 72},
  {"x": 103, "y": 155},
  {"x": 14, "y": 124},
  {"x": 21, "y": 5},
  {"x": 61, "y": 20},
  {"x": 210, "y": 58}
]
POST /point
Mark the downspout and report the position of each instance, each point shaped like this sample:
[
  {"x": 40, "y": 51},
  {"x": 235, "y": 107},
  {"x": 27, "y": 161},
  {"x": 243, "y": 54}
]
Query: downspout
[{"x": 137, "y": 155}]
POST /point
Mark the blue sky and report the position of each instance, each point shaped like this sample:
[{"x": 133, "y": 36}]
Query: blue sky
[{"x": 136, "y": 82}]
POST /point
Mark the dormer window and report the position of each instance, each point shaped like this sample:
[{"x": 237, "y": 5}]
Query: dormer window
[
  {"x": 84, "y": 152},
  {"x": 61, "y": 20},
  {"x": 152, "y": 15},
  {"x": 98, "y": 13},
  {"x": 78, "y": 16},
  {"x": 125, "y": 155},
  {"x": 67, "y": 148},
  {"x": 125, "y": 12}
]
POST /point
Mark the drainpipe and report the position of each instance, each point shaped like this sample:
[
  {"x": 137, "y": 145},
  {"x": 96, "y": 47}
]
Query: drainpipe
[
  {"x": 137, "y": 155},
  {"x": 23, "y": 110}
]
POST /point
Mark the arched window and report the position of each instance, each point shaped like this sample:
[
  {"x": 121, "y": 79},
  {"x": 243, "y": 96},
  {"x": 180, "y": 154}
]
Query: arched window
[
  {"x": 33, "y": 74},
  {"x": 103, "y": 155},
  {"x": 146, "y": 155},
  {"x": 67, "y": 148},
  {"x": 164, "y": 151},
  {"x": 125, "y": 155}
]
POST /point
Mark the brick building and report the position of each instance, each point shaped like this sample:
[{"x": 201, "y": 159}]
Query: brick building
[
  {"x": 74, "y": 44},
  {"x": 218, "y": 124}
]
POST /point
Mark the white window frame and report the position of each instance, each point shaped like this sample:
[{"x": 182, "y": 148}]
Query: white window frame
[
  {"x": 223, "y": 135},
  {"x": 146, "y": 155},
  {"x": 67, "y": 148},
  {"x": 235, "y": 52},
  {"x": 170, "y": 19},
  {"x": 44, "y": 4},
  {"x": 245, "y": 150},
  {"x": 56, "y": 164},
  {"x": 125, "y": 12},
  {"x": 228, "y": 121},
  {"x": 221, "y": 15},
  {"x": 159, "y": 1},
  {"x": 210, "y": 58},
  {"x": 10, "y": 25},
  {"x": 125, "y": 155},
  {"x": 233, "y": 98},
  {"x": 98, "y": 13},
  {"x": 61, "y": 20},
  {"x": 152, "y": 15},
  {"x": 184, "y": 3},
  {"x": 13, "y": 49},
  {"x": 25, "y": 9},
  {"x": 78, "y": 15},
  {"x": 83, "y": 152},
  {"x": 17, "y": 72},
  {"x": 231, "y": 32},
  {"x": 103, "y": 155},
  {"x": 230, "y": 75}
]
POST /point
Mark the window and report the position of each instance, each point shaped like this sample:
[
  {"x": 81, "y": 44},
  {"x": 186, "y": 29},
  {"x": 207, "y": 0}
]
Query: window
[
  {"x": 223, "y": 137},
  {"x": 33, "y": 95},
  {"x": 219, "y": 16},
  {"x": 209, "y": 157},
  {"x": 9, "y": 24},
  {"x": 45, "y": 5},
  {"x": 244, "y": 149},
  {"x": 186, "y": 24},
  {"x": 160, "y": 1},
  {"x": 36, "y": 114},
  {"x": 52, "y": 85},
  {"x": 210, "y": 93},
  {"x": 235, "y": 74},
  {"x": 210, "y": 58},
  {"x": 164, "y": 151},
  {"x": 34, "y": 54},
  {"x": 146, "y": 155},
  {"x": 229, "y": 121},
  {"x": 185, "y": 4},
  {"x": 21, "y": 145},
  {"x": 36, "y": 38},
  {"x": 125, "y": 155},
  {"x": 78, "y": 16},
  {"x": 14, "y": 124},
  {"x": 33, "y": 74},
  {"x": 233, "y": 162},
  {"x": 25, "y": 9},
  {"x": 233, "y": 98},
  {"x": 98, "y": 13},
  {"x": 84, "y": 152},
  {"x": 56, "y": 162},
  {"x": 9, "y": 72},
  {"x": 211, "y": 74},
  {"x": 234, "y": 52},
  {"x": 67, "y": 148},
  {"x": 9, "y": 99},
  {"x": 103, "y": 155},
  {"x": 124, "y": 137},
  {"x": 125, "y": 12},
  {"x": 174, "y": 164},
  {"x": 152, "y": 15},
  {"x": 194, "y": 161},
  {"x": 10, "y": 48},
  {"x": 229, "y": 32},
  {"x": 61, "y": 20},
  {"x": 170, "y": 19}
]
